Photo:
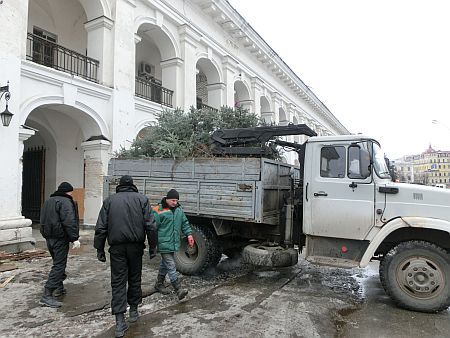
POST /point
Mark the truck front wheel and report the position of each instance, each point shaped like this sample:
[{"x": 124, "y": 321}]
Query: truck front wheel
[
  {"x": 416, "y": 275},
  {"x": 205, "y": 253}
]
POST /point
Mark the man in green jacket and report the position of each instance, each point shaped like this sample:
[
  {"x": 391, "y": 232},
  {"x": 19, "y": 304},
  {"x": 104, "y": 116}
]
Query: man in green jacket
[{"x": 171, "y": 221}]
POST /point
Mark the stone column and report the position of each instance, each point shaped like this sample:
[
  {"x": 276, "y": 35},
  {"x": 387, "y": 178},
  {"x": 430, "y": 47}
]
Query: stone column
[
  {"x": 257, "y": 92},
  {"x": 15, "y": 230},
  {"x": 172, "y": 73},
  {"x": 276, "y": 103},
  {"x": 229, "y": 70},
  {"x": 99, "y": 47},
  {"x": 124, "y": 75},
  {"x": 96, "y": 157},
  {"x": 189, "y": 39}
]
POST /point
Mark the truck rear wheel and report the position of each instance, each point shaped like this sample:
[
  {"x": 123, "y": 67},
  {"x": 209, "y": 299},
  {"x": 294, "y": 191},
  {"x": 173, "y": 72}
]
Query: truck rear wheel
[
  {"x": 416, "y": 275},
  {"x": 271, "y": 256},
  {"x": 205, "y": 253}
]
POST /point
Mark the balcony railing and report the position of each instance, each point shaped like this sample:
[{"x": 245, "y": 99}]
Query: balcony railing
[
  {"x": 61, "y": 58},
  {"x": 152, "y": 90},
  {"x": 201, "y": 105},
  {"x": 206, "y": 107}
]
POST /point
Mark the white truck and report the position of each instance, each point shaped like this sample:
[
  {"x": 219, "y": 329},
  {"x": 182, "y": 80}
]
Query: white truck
[{"x": 340, "y": 206}]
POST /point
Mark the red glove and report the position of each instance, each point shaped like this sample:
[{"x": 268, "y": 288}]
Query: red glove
[{"x": 191, "y": 241}]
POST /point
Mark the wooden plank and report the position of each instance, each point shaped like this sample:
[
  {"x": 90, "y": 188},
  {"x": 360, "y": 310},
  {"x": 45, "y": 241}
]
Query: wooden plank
[
  {"x": 7, "y": 267},
  {"x": 9, "y": 279},
  {"x": 78, "y": 196}
]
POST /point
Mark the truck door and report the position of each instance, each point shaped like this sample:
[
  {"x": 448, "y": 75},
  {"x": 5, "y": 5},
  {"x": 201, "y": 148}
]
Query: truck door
[{"x": 341, "y": 191}]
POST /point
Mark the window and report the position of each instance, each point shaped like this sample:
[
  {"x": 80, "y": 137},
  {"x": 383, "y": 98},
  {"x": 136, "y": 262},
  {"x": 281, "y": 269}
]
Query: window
[
  {"x": 332, "y": 162},
  {"x": 379, "y": 162},
  {"x": 359, "y": 161},
  {"x": 44, "y": 52}
]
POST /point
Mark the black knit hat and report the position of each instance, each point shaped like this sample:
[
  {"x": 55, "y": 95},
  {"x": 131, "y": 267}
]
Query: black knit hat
[
  {"x": 173, "y": 195},
  {"x": 65, "y": 187},
  {"x": 126, "y": 180}
]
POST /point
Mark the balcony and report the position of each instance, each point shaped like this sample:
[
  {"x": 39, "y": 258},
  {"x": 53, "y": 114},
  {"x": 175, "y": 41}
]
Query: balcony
[
  {"x": 52, "y": 55},
  {"x": 151, "y": 89}
]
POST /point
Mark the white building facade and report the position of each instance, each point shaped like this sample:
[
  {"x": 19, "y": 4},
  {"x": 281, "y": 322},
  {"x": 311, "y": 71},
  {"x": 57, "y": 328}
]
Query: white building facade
[{"x": 86, "y": 76}]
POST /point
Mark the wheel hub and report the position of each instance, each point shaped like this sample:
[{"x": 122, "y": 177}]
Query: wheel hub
[{"x": 420, "y": 277}]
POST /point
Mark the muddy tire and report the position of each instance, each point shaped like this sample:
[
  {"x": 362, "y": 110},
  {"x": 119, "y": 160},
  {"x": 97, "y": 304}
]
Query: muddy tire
[
  {"x": 416, "y": 275},
  {"x": 271, "y": 256},
  {"x": 205, "y": 253}
]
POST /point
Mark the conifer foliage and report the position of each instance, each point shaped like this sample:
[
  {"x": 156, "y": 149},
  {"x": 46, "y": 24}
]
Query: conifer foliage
[{"x": 179, "y": 134}]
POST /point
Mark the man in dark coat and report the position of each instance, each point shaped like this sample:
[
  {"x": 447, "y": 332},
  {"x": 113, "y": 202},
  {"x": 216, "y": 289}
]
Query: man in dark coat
[
  {"x": 125, "y": 219},
  {"x": 59, "y": 226}
]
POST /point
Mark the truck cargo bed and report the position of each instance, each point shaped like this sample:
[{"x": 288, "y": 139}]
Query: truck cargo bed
[{"x": 239, "y": 189}]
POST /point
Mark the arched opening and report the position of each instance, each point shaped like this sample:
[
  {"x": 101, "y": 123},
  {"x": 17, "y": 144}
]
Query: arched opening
[
  {"x": 266, "y": 112},
  {"x": 282, "y": 117},
  {"x": 208, "y": 86},
  {"x": 57, "y": 37},
  {"x": 68, "y": 146},
  {"x": 156, "y": 76},
  {"x": 242, "y": 96}
]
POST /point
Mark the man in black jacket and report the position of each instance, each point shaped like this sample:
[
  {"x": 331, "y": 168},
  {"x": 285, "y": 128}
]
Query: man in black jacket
[
  {"x": 59, "y": 226},
  {"x": 125, "y": 218}
]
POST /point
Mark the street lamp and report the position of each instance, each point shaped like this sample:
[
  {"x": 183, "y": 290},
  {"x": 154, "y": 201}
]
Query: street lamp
[{"x": 6, "y": 116}]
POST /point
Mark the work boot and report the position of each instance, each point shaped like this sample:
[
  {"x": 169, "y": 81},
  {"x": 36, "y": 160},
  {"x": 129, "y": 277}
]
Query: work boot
[
  {"x": 181, "y": 293},
  {"x": 134, "y": 315},
  {"x": 159, "y": 286},
  {"x": 121, "y": 325},
  {"x": 61, "y": 291},
  {"x": 48, "y": 300}
]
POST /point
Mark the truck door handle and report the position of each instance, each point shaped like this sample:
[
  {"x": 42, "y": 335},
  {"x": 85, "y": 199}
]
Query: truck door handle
[{"x": 320, "y": 193}]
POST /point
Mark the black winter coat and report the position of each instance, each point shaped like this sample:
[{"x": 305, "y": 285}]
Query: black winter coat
[
  {"x": 125, "y": 217},
  {"x": 59, "y": 217}
]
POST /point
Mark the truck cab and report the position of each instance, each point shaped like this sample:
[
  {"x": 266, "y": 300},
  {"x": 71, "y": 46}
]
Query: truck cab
[{"x": 353, "y": 213}]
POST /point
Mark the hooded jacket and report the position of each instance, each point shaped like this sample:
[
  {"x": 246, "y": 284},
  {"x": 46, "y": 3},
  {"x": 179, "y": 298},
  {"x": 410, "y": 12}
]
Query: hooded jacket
[
  {"x": 171, "y": 222},
  {"x": 59, "y": 217},
  {"x": 125, "y": 217}
]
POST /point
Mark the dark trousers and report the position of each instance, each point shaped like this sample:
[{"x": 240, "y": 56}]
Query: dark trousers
[
  {"x": 126, "y": 266},
  {"x": 59, "y": 249}
]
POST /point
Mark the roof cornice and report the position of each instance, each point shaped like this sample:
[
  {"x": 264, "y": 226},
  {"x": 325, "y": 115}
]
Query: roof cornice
[{"x": 237, "y": 27}]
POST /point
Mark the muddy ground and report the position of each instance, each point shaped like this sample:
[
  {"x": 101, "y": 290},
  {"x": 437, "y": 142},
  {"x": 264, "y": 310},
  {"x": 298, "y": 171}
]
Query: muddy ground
[{"x": 233, "y": 300}]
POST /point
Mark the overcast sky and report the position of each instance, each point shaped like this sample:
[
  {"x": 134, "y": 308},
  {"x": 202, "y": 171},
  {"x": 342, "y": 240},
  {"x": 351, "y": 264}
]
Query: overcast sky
[{"x": 381, "y": 67}]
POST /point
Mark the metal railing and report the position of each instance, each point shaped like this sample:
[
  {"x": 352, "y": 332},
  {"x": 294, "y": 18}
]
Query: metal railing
[
  {"x": 206, "y": 107},
  {"x": 52, "y": 55},
  {"x": 153, "y": 91}
]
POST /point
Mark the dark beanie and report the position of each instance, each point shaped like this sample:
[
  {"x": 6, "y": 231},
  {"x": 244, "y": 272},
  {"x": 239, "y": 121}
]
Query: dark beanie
[
  {"x": 173, "y": 195},
  {"x": 65, "y": 187},
  {"x": 126, "y": 180}
]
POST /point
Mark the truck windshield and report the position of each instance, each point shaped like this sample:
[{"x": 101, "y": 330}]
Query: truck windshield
[{"x": 379, "y": 163}]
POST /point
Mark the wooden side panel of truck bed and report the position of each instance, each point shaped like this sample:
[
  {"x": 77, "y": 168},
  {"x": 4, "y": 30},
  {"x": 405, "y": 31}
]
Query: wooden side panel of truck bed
[{"x": 241, "y": 189}]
